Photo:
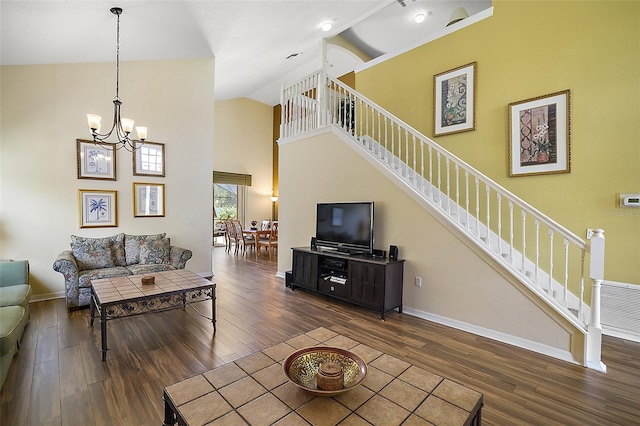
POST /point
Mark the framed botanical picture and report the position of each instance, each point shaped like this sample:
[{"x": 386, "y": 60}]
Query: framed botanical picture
[
  {"x": 148, "y": 159},
  {"x": 540, "y": 135},
  {"x": 97, "y": 208},
  {"x": 454, "y": 100},
  {"x": 148, "y": 199},
  {"x": 95, "y": 161}
]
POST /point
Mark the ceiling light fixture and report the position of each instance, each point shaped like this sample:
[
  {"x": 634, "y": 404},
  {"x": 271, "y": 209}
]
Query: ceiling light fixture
[
  {"x": 326, "y": 26},
  {"x": 122, "y": 127}
]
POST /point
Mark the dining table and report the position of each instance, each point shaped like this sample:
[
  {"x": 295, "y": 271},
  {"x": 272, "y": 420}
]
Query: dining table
[{"x": 256, "y": 234}]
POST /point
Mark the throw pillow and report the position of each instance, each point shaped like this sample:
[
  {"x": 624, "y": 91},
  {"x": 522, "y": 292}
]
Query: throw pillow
[
  {"x": 155, "y": 251},
  {"x": 93, "y": 253},
  {"x": 117, "y": 246},
  {"x": 132, "y": 244}
]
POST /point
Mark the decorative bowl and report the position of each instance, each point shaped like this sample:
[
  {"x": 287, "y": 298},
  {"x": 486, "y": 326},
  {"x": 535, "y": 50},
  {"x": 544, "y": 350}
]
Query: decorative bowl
[{"x": 301, "y": 368}]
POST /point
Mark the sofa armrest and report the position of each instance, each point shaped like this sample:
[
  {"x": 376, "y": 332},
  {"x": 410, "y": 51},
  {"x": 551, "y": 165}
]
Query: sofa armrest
[
  {"x": 66, "y": 264},
  {"x": 179, "y": 256},
  {"x": 14, "y": 272}
]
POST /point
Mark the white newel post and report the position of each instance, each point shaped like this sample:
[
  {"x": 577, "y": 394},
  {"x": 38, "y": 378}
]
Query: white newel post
[{"x": 594, "y": 335}]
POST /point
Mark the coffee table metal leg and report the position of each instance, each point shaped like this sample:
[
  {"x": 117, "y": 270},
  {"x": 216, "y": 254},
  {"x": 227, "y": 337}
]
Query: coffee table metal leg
[
  {"x": 169, "y": 415},
  {"x": 92, "y": 308},
  {"x": 103, "y": 332},
  {"x": 213, "y": 308}
]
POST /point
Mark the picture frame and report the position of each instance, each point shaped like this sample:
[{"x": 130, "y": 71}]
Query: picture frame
[
  {"x": 97, "y": 208},
  {"x": 148, "y": 159},
  {"x": 148, "y": 199},
  {"x": 95, "y": 161},
  {"x": 540, "y": 135},
  {"x": 454, "y": 100}
]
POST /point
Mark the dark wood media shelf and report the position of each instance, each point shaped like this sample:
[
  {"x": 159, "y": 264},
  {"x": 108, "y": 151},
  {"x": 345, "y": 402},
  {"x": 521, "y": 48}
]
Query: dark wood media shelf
[{"x": 364, "y": 281}]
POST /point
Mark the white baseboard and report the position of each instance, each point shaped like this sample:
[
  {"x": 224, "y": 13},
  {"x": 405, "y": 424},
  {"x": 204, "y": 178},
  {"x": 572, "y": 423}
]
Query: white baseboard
[
  {"x": 495, "y": 335},
  {"x": 47, "y": 296}
]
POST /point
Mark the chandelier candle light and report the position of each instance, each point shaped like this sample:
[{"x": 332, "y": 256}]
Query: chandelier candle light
[{"x": 122, "y": 127}]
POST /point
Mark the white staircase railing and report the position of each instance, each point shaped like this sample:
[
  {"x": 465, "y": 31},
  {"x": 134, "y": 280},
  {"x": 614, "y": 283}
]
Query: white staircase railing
[{"x": 543, "y": 255}]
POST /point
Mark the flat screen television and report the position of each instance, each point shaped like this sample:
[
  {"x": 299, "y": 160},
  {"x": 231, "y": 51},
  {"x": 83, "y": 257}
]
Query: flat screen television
[{"x": 347, "y": 227}]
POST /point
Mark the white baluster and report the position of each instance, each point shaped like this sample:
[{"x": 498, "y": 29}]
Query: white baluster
[
  {"x": 466, "y": 201},
  {"x": 551, "y": 234},
  {"x": 565, "y": 300},
  {"x": 537, "y": 270},
  {"x": 488, "y": 192},
  {"x": 511, "y": 232},
  {"x": 523, "y": 268},
  {"x": 448, "y": 163},
  {"x": 499, "y": 198},
  {"x": 457, "y": 207},
  {"x": 477, "y": 208}
]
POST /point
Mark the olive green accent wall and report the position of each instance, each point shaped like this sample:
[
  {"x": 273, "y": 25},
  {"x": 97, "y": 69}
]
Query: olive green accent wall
[{"x": 533, "y": 48}]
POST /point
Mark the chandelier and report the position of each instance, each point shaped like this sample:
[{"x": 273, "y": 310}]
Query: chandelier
[{"x": 122, "y": 127}]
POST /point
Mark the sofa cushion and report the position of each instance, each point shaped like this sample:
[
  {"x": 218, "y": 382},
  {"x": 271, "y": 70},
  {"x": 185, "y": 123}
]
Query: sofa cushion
[
  {"x": 93, "y": 254},
  {"x": 85, "y": 277},
  {"x": 150, "y": 268},
  {"x": 117, "y": 246},
  {"x": 12, "y": 323},
  {"x": 132, "y": 245},
  {"x": 14, "y": 272},
  {"x": 155, "y": 251},
  {"x": 15, "y": 295}
]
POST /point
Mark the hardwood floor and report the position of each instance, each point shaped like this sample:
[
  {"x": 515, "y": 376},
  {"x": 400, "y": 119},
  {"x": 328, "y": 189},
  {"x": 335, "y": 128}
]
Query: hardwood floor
[{"x": 58, "y": 379}]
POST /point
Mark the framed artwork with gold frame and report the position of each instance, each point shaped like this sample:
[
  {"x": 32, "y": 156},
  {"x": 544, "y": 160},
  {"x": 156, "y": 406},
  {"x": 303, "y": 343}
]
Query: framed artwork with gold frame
[
  {"x": 148, "y": 199},
  {"x": 454, "y": 100},
  {"x": 540, "y": 135},
  {"x": 148, "y": 159},
  {"x": 97, "y": 208},
  {"x": 95, "y": 161}
]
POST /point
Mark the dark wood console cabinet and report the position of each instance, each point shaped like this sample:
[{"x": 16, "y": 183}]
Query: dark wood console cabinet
[{"x": 364, "y": 281}]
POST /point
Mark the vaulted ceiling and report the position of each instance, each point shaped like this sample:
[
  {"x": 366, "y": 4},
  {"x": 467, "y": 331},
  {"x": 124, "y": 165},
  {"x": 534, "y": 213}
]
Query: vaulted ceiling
[{"x": 257, "y": 45}]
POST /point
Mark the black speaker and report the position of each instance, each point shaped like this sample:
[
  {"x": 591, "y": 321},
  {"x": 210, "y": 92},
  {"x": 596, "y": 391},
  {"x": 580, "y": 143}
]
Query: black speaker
[
  {"x": 288, "y": 278},
  {"x": 314, "y": 245},
  {"x": 393, "y": 252}
]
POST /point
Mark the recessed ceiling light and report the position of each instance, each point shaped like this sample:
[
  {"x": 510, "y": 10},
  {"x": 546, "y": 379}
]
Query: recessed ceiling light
[
  {"x": 326, "y": 26},
  {"x": 421, "y": 16}
]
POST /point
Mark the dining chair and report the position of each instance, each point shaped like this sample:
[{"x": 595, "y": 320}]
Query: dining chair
[
  {"x": 230, "y": 235},
  {"x": 264, "y": 226},
  {"x": 271, "y": 241},
  {"x": 242, "y": 240}
]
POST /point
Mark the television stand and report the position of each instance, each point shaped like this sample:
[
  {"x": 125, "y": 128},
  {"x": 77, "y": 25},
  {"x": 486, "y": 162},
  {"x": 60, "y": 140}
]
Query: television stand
[{"x": 363, "y": 281}]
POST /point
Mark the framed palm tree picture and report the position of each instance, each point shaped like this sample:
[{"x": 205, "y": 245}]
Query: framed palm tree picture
[{"x": 97, "y": 208}]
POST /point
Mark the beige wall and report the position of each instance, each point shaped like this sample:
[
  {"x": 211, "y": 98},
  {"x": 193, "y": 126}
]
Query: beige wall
[
  {"x": 459, "y": 286},
  {"x": 43, "y": 113},
  {"x": 528, "y": 49},
  {"x": 243, "y": 144}
]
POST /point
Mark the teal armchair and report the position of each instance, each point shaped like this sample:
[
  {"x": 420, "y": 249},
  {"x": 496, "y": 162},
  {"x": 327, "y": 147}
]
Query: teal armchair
[{"x": 15, "y": 294}]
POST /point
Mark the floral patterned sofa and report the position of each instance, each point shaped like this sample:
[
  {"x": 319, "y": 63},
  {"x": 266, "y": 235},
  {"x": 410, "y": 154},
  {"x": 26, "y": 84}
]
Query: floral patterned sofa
[{"x": 114, "y": 256}]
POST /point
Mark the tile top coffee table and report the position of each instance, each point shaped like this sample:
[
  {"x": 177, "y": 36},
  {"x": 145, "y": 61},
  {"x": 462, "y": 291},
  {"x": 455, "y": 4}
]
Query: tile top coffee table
[
  {"x": 126, "y": 296},
  {"x": 254, "y": 390}
]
